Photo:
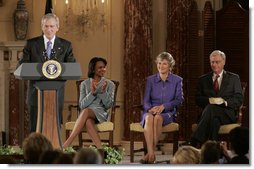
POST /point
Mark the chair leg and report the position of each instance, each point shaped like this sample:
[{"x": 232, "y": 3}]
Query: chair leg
[
  {"x": 111, "y": 139},
  {"x": 175, "y": 141},
  {"x": 131, "y": 147},
  {"x": 80, "y": 139},
  {"x": 67, "y": 134}
]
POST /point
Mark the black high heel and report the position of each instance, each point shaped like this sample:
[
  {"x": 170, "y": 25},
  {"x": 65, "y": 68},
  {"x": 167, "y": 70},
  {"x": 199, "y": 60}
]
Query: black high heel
[
  {"x": 153, "y": 161},
  {"x": 143, "y": 161}
]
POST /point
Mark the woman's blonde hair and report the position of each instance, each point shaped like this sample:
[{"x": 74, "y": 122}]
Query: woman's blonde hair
[
  {"x": 168, "y": 57},
  {"x": 186, "y": 155}
]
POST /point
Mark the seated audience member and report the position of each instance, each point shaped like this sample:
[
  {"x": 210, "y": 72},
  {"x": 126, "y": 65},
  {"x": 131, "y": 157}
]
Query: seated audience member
[
  {"x": 64, "y": 158},
  {"x": 186, "y": 155},
  {"x": 96, "y": 97},
  {"x": 239, "y": 143},
  {"x": 219, "y": 94},
  {"x": 48, "y": 157},
  {"x": 163, "y": 94},
  {"x": 87, "y": 156},
  {"x": 210, "y": 152},
  {"x": 34, "y": 145}
]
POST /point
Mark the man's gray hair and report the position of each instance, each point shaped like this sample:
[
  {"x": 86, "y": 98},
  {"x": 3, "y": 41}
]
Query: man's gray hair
[
  {"x": 50, "y": 16},
  {"x": 218, "y": 52}
]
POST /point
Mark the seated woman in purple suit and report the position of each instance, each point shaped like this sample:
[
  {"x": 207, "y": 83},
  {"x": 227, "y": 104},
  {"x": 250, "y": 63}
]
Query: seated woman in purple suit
[{"x": 163, "y": 94}]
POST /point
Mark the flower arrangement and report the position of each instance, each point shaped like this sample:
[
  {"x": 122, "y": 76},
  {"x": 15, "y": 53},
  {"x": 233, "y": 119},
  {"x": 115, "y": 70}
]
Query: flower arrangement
[
  {"x": 9, "y": 150},
  {"x": 112, "y": 155},
  {"x": 69, "y": 150}
]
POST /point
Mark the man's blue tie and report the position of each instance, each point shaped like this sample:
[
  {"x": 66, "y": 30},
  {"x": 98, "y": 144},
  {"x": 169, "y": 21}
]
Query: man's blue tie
[{"x": 48, "y": 50}]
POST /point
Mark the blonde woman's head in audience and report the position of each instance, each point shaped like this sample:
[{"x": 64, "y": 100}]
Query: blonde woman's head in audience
[{"x": 186, "y": 155}]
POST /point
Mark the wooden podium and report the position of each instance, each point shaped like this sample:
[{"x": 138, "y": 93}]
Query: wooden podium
[{"x": 48, "y": 114}]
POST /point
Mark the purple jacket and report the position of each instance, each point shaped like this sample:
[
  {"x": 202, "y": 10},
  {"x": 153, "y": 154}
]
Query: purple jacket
[{"x": 168, "y": 93}]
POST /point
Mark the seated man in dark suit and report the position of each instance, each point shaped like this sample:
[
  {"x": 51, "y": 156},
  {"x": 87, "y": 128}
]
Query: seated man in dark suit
[{"x": 219, "y": 94}]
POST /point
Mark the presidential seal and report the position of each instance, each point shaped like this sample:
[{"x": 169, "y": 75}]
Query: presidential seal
[{"x": 51, "y": 69}]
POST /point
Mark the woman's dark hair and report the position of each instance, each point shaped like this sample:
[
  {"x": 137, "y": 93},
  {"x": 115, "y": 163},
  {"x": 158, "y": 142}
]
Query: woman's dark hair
[{"x": 91, "y": 66}]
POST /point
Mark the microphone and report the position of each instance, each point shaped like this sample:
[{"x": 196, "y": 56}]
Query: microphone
[
  {"x": 45, "y": 55},
  {"x": 53, "y": 54}
]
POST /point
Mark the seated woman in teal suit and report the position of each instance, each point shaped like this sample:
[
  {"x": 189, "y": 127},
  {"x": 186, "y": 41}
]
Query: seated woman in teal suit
[
  {"x": 163, "y": 94},
  {"x": 96, "y": 97}
]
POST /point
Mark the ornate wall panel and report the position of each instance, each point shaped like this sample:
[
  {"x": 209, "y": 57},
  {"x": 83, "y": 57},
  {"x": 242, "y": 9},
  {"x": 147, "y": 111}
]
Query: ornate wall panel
[
  {"x": 182, "y": 43},
  {"x": 209, "y": 34},
  {"x": 14, "y": 114},
  {"x": 15, "y": 118},
  {"x": 232, "y": 37},
  {"x": 137, "y": 55}
]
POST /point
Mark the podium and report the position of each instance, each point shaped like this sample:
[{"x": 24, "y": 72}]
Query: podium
[{"x": 48, "y": 114}]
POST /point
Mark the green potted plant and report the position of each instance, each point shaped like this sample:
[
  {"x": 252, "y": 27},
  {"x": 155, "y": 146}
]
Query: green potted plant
[
  {"x": 12, "y": 152},
  {"x": 112, "y": 155}
]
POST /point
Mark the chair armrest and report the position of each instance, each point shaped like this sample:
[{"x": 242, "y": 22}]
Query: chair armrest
[
  {"x": 69, "y": 114},
  {"x": 240, "y": 114}
]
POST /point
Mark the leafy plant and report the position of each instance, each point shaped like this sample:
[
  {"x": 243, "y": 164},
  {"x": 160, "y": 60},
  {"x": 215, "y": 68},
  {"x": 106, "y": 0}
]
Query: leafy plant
[
  {"x": 69, "y": 150},
  {"x": 9, "y": 150},
  {"x": 112, "y": 155}
]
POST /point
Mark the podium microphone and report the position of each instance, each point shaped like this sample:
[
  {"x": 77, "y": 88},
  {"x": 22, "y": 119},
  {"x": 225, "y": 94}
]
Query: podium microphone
[
  {"x": 45, "y": 55},
  {"x": 53, "y": 54}
]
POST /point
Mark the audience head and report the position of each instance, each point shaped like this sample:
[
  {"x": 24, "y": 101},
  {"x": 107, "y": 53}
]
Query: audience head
[
  {"x": 87, "y": 156},
  {"x": 186, "y": 155},
  {"x": 239, "y": 139},
  {"x": 217, "y": 61},
  {"x": 49, "y": 156},
  {"x": 92, "y": 65},
  {"x": 210, "y": 152},
  {"x": 165, "y": 56},
  {"x": 34, "y": 145},
  {"x": 64, "y": 159}
]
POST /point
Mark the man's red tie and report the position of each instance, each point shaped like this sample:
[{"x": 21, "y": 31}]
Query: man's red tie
[{"x": 216, "y": 84}]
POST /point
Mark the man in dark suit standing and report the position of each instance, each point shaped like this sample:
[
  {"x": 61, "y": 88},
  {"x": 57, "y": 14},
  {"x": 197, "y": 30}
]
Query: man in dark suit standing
[
  {"x": 40, "y": 49},
  {"x": 219, "y": 94}
]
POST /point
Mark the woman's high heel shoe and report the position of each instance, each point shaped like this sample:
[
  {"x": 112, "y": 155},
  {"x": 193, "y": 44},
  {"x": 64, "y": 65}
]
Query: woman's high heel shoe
[
  {"x": 152, "y": 160},
  {"x": 143, "y": 161}
]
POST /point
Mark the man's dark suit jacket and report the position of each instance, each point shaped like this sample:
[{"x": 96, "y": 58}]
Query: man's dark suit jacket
[
  {"x": 33, "y": 52},
  {"x": 230, "y": 91}
]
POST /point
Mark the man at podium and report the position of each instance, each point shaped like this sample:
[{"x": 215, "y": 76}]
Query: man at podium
[{"x": 40, "y": 49}]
